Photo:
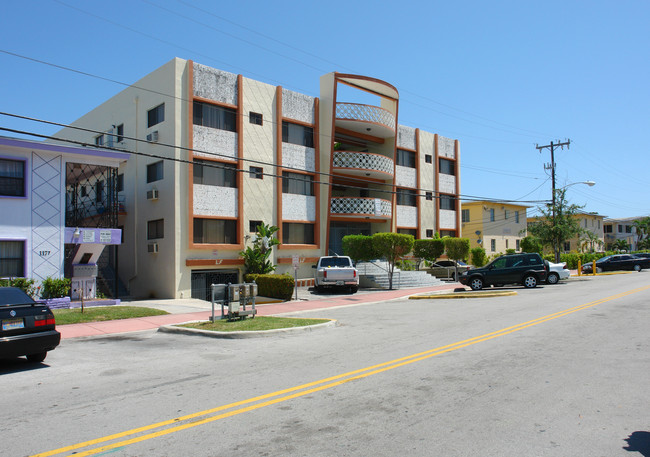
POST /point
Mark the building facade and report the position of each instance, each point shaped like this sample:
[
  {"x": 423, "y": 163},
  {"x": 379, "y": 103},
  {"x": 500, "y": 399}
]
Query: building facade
[
  {"x": 214, "y": 154},
  {"x": 494, "y": 226},
  {"x": 621, "y": 229}
]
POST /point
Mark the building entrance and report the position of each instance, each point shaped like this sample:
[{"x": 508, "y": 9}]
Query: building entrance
[
  {"x": 201, "y": 281},
  {"x": 340, "y": 229}
]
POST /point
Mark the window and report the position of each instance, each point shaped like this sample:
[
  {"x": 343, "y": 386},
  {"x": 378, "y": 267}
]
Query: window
[
  {"x": 215, "y": 231},
  {"x": 155, "y": 171},
  {"x": 607, "y": 229},
  {"x": 628, "y": 229},
  {"x": 99, "y": 140},
  {"x": 215, "y": 173},
  {"x": 120, "y": 182},
  {"x": 491, "y": 214},
  {"x": 567, "y": 246},
  {"x": 598, "y": 224},
  {"x": 517, "y": 218},
  {"x": 444, "y": 233},
  {"x": 464, "y": 214},
  {"x": 12, "y": 259},
  {"x": 493, "y": 245},
  {"x": 406, "y": 158},
  {"x": 256, "y": 172},
  {"x": 448, "y": 202},
  {"x": 406, "y": 197},
  {"x": 447, "y": 167},
  {"x": 296, "y": 183},
  {"x": 429, "y": 233},
  {"x": 297, "y": 134},
  {"x": 252, "y": 226},
  {"x": 585, "y": 222},
  {"x": 507, "y": 243},
  {"x": 429, "y": 195},
  {"x": 156, "y": 229},
  {"x": 156, "y": 115},
  {"x": 620, "y": 228},
  {"x": 119, "y": 130},
  {"x": 506, "y": 214},
  {"x": 99, "y": 191},
  {"x": 255, "y": 118},
  {"x": 216, "y": 117},
  {"x": 296, "y": 233},
  {"x": 517, "y": 247},
  {"x": 405, "y": 231},
  {"x": 428, "y": 158}
]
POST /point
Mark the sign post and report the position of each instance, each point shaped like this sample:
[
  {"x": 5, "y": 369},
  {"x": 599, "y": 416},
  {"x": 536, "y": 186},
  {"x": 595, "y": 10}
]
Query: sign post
[{"x": 295, "y": 261}]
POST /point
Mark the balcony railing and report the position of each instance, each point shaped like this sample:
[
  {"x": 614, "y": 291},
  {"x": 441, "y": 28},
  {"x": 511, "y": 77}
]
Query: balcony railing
[
  {"x": 363, "y": 162},
  {"x": 366, "y": 113},
  {"x": 359, "y": 206}
]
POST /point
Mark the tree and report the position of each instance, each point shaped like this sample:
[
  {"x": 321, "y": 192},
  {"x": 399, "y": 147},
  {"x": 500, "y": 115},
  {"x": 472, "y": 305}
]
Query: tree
[
  {"x": 429, "y": 249},
  {"x": 392, "y": 247},
  {"x": 589, "y": 240},
  {"x": 621, "y": 245},
  {"x": 457, "y": 249},
  {"x": 557, "y": 224},
  {"x": 531, "y": 244},
  {"x": 256, "y": 258},
  {"x": 643, "y": 232},
  {"x": 478, "y": 256},
  {"x": 359, "y": 247}
]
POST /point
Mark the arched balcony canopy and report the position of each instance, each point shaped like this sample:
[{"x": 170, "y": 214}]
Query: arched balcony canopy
[
  {"x": 373, "y": 208},
  {"x": 365, "y": 164}
]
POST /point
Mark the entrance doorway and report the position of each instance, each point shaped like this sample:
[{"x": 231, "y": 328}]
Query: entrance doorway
[
  {"x": 340, "y": 229},
  {"x": 201, "y": 281}
]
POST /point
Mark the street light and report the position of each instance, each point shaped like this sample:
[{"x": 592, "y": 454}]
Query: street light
[{"x": 589, "y": 183}]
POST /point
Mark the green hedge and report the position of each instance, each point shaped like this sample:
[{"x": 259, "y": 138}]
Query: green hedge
[
  {"x": 272, "y": 285},
  {"x": 55, "y": 288},
  {"x": 24, "y": 284}
]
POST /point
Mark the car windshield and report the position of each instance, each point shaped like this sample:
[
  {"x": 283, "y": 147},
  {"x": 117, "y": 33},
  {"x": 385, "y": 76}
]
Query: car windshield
[
  {"x": 335, "y": 262},
  {"x": 604, "y": 259}
]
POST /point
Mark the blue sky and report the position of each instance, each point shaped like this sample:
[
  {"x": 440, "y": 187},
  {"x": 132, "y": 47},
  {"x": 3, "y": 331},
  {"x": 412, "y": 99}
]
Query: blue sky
[{"x": 499, "y": 76}]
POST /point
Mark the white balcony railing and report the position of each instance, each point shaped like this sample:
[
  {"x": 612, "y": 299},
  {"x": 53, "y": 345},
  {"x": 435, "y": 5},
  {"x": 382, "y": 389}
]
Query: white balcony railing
[
  {"x": 354, "y": 206},
  {"x": 366, "y": 113},
  {"x": 363, "y": 161}
]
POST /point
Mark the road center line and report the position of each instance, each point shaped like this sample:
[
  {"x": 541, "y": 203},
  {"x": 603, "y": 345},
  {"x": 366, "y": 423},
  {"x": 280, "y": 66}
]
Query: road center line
[{"x": 308, "y": 388}]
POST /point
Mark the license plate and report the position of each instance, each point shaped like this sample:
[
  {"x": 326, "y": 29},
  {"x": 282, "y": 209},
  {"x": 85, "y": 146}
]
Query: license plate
[
  {"x": 340, "y": 283},
  {"x": 12, "y": 324}
]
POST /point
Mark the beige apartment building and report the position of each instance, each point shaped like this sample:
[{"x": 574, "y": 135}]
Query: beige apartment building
[
  {"x": 214, "y": 154},
  {"x": 593, "y": 236},
  {"x": 494, "y": 226}
]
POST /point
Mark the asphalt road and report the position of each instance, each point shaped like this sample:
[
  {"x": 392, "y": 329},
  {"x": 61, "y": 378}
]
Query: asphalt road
[{"x": 555, "y": 371}]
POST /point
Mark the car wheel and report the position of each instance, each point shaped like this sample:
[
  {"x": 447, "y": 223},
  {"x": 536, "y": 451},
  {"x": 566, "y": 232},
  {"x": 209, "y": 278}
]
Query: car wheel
[
  {"x": 36, "y": 357},
  {"x": 354, "y": 289},
  {"x": 599, "y": 270},
  {"x": 553, "y": 278},
  {"x": 637, "y": 267},
  {"x": 530, "y": 281},
  {"x": 476, "y": 283}
]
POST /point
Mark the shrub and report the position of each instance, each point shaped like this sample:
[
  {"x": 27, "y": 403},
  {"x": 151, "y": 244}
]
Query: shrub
[
  {"x": 272, "y": 285},
  {"x": 510, "y": 251},
  {"x": 428, "y": 249},
  {"x": 359, "y": 248},
  {"x": 24, "y": 284},
  {"x": 478, "y": 256},
  {"x": 55, "y": 288}
]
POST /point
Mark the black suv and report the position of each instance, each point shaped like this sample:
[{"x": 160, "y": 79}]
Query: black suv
[{"x": 525, "y": 269}]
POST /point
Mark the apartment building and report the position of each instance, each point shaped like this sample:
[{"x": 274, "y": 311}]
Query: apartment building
[
  {"x": 621, "y": 229},
  {"x": 593, "y": 238},
  {"x": 214, "y": 154},
  {"x": 61, "y": 209},
  {"x": 494, "y": 226}
]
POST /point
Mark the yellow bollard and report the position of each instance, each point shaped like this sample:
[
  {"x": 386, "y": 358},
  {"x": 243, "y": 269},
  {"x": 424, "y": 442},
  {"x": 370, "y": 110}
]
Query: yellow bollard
[
  {"x": 593, "y": 268},
  {"x": 579, "y": 267}
]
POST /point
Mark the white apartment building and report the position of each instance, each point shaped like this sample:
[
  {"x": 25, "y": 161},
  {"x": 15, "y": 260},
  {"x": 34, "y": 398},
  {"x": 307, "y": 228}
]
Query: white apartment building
[{"x": 213, "y": 154}]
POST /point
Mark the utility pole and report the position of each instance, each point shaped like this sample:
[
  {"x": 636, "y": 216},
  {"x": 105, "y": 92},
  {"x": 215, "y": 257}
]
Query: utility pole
[{"x": 551, "y": 167}]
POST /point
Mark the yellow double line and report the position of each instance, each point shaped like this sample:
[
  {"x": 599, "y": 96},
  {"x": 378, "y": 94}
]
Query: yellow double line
[{"x": 209, "y": 415}]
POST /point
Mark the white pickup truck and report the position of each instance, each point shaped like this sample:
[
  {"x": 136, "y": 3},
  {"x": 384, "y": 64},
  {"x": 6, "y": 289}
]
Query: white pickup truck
[{"x": 336, "y": 271}]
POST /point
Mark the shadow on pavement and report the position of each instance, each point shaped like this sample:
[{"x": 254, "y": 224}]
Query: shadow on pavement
[{"x": 638, "y": 442}]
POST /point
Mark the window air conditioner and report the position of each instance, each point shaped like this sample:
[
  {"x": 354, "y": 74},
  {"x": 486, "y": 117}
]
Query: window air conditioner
[
  {"x": 152, "y": 247},
  {"x": 153, "y": 137},
  {"x": 152, "y": 194}
]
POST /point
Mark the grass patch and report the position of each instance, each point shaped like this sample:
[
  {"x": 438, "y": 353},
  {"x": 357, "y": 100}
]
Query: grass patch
[
  {"x": 102, "y": 313},
  {"x": 257, "y": 324}
]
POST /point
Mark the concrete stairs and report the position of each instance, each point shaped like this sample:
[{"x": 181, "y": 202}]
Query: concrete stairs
[{"x": 374, "y": 274}]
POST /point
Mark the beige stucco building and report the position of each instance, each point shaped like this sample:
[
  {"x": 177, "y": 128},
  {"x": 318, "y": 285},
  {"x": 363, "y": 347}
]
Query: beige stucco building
[
  {"x": 494, "y": 226},
  {"x": 215, "y": 153}
]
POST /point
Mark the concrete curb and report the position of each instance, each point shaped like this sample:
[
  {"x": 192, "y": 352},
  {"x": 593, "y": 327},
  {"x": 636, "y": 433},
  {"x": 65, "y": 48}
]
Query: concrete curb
[
  {"x": 457, "y": 295},
  {"x": 237, "y": 335}
]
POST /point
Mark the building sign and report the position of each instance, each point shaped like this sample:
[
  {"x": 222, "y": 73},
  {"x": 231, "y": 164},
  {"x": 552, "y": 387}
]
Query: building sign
[{"x": 88, "y": 236}]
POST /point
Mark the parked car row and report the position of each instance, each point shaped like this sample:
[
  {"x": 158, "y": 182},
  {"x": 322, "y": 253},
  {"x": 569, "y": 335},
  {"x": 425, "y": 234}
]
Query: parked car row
[{"x": 636, "y": 262}]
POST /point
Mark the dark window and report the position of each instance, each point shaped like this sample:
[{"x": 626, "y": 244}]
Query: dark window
[
  {"x": 296, "y": 183},
  {"x": 156, "y": 229},
  {"x": 406, "y": 158},
  {"x": 120, "y": 133},
  {"x": 215, "y": 231},
  {"x": 99, "y": 191},
  {"x": 215, "y": 173},
  {"x": 447, "y": 167},
  {"x": 12, "y": 178},
  {"x": 297, "y": 134},
  {"x": 607, "y": 228},
  {"x": 256, "y": 172},
  {"x": 156, "y": 115},
  {"x": 567, "y": 246},
  {"x": 406, "y": 197},
  {"x": 447, "y": 202},
  {"x": 295, "y": 233},
  {"x": 628, "y": 229},
  {"x": 405, "y": 231},
  {"x": 464, "y": 215},
  {"x": 216, "y": 117},
  {"x": 493, "y": 245},
  {"x": 428, "y": 158},
  {"x": 255, "y": 118},
  {"x": 120, "y": 182},
  {"x": 451, "y": 233},
  {"x": 252, "y": 226},
  {"x": 620, "y": 228},
  {"x": 155, "y": 171},
  {"x": 429, "y": 195},
  {"x": 429, "y": 233},
  {"x": 99, "y": 140},
  {"x": 12, "y": 259},
  {"x": 84, "y": 191}
]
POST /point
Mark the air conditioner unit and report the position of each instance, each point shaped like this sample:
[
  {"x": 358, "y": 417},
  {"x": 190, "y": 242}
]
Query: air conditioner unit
[
  {"x": 152, "y": 194},
  {"x": 153, "y": 137},
  {"x": 152, "y": 247}
]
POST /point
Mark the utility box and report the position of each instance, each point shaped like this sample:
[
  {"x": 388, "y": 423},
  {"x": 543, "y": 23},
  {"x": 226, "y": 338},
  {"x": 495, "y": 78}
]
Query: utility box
[{"x": 234, "y": 298}]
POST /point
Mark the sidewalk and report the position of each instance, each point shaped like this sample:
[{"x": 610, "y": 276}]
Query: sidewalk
[{"x": 184, "y": 310}]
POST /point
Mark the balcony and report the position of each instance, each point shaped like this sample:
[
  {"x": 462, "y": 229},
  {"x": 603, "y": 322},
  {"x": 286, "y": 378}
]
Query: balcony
[
  {"x": 364, "y": 164},
  {"x": 376, "y": 208},
  {"x": 366, "y": 119}
]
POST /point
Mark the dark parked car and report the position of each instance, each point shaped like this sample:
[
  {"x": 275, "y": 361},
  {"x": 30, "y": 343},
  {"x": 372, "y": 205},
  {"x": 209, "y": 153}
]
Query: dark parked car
[
  {"x": 27, "y": 327},
  {"x": 618, "y": 262},
  {"x": 525, "y": 269}
]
